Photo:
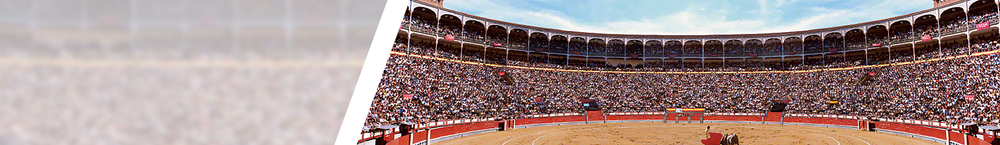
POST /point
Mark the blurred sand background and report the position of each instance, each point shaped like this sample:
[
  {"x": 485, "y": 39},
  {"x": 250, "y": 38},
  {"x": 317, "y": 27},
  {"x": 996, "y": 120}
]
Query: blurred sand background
[{"x": 180, "y": 71}]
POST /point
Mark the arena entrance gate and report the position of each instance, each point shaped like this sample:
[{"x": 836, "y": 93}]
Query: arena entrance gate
[
  {"x": 684, "y": 112},
  {"x": 593, "y": 111}
]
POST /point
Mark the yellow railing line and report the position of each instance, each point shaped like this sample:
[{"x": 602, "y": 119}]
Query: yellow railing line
[{"x": 705, "y": 72}]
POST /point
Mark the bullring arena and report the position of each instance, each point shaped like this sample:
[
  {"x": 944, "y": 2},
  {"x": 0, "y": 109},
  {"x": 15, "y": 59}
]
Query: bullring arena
[
  {"x": 673, "y": 133},
  {"x": 928, "y": 77},
  {"x": 655, "y": 128}
]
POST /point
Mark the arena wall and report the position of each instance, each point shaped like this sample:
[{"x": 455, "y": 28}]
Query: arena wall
[{"x": 919, "y": 129}]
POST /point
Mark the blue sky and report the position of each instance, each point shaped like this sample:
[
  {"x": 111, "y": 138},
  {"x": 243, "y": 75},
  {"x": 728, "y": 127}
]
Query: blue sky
[{"x": 691, "y": 17}]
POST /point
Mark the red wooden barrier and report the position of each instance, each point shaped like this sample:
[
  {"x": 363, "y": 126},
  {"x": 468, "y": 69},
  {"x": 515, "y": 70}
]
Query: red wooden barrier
[
  {"x": 529, "y": 121},
  {"x": 402, "y": 140},
  {"x": 830, "y": 121},
  {"x": 594, "y": 116},
  {"x": 636, "y": 117},
  {"x": 444, "y": 131},
  {"x": 926, "y": 131},
  {"x": 419, "y": 136},
  {"x": 733, "y": 118},
  {"x": 773, "y": 117}
]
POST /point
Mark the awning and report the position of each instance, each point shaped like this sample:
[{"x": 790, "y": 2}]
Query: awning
[
  {"x": 990, "y": 128},
  {"x": 387, "y": 127}
]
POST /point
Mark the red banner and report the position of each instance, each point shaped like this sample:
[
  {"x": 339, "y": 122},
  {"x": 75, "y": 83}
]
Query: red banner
[
  {"x": 970, "y": 97},
  {"x": 753, "y": 54},
  {"x": 538, "y": 99},
  {"x": 871, "y": 73},
  {"x": 925, "y": 38},
  {"x": 673, "y": 55},
  {"x": 449, "y": 37},
  {"x": 791, "y": 53},
  {"x": 983, "y": 25},
  {"x": 407, "y": 96},
  {"x": 501, "y": 73},
  {"x": 635, "y": 56},
  {"x": 833, "y": 49},
  {"x": 497, "y": 44},
  {"x": 876, "y": 44}
]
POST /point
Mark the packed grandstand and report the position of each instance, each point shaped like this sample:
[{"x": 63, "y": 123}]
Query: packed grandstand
[{"x": 448, "y": 65}]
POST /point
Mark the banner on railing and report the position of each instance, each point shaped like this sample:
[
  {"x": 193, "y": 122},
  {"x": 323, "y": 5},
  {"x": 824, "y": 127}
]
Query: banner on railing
[
  {"x": 449, "y": 37},
  {"x": 686, "y": 110},
  {"x": 925, "y": 38},
  {"x": 983, "y": 25}
]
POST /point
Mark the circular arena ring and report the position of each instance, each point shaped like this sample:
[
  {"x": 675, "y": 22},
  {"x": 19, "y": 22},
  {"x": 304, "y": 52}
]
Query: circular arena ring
[
  {"x": 671, "y": 128},
  {"x": 682, "y": 133}
]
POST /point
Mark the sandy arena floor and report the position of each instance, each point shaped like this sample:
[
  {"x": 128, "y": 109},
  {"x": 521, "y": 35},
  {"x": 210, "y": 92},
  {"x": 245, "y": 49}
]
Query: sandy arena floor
[{"x": 687, "y": 134}]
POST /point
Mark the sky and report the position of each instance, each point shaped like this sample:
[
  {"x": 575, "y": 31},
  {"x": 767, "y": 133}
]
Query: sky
[{"x": 687, "y": 17}]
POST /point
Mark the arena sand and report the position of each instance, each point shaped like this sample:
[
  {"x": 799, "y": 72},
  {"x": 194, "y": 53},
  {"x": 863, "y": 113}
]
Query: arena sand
[{"x": 682, "y": 134}]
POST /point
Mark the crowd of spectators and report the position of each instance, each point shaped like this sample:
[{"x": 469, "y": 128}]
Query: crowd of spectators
[
  {"x": 927, "y": 30},
  {"x": 956, "y": 25},
  {"x": 735, "y": 50},
  {"x": 500, "y": 40},
  {"x": 617, "y": 49},
  {"x": 425, "y": 90},
  {"x": 446, "y": 30},
  {"x": 987, "y": 16},
  {"x": 420, "y": 25},
  {"x": 957, "y": 90},
  {"x": 771, "y": 48},
  {"x": 713, "y": 49},
  {"x": 473, "y": 37},
  {"x": 791, "y": 47},
  {"x": 983, "y": 43},
  {"x": 950, "y": 26},
  {"x": 876, "y": 42},
  {"x": 855, "y": 43},
  {"x": 901, "y": 36},
  {"x": 813, "y": 46},
  {"x": 835, "y": 43},
  {"x": 596, "y": 49}
]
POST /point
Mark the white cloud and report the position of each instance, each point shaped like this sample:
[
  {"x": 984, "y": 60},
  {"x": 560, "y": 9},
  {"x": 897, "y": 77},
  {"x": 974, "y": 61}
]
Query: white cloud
[{"x": 763, "y": 6}]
